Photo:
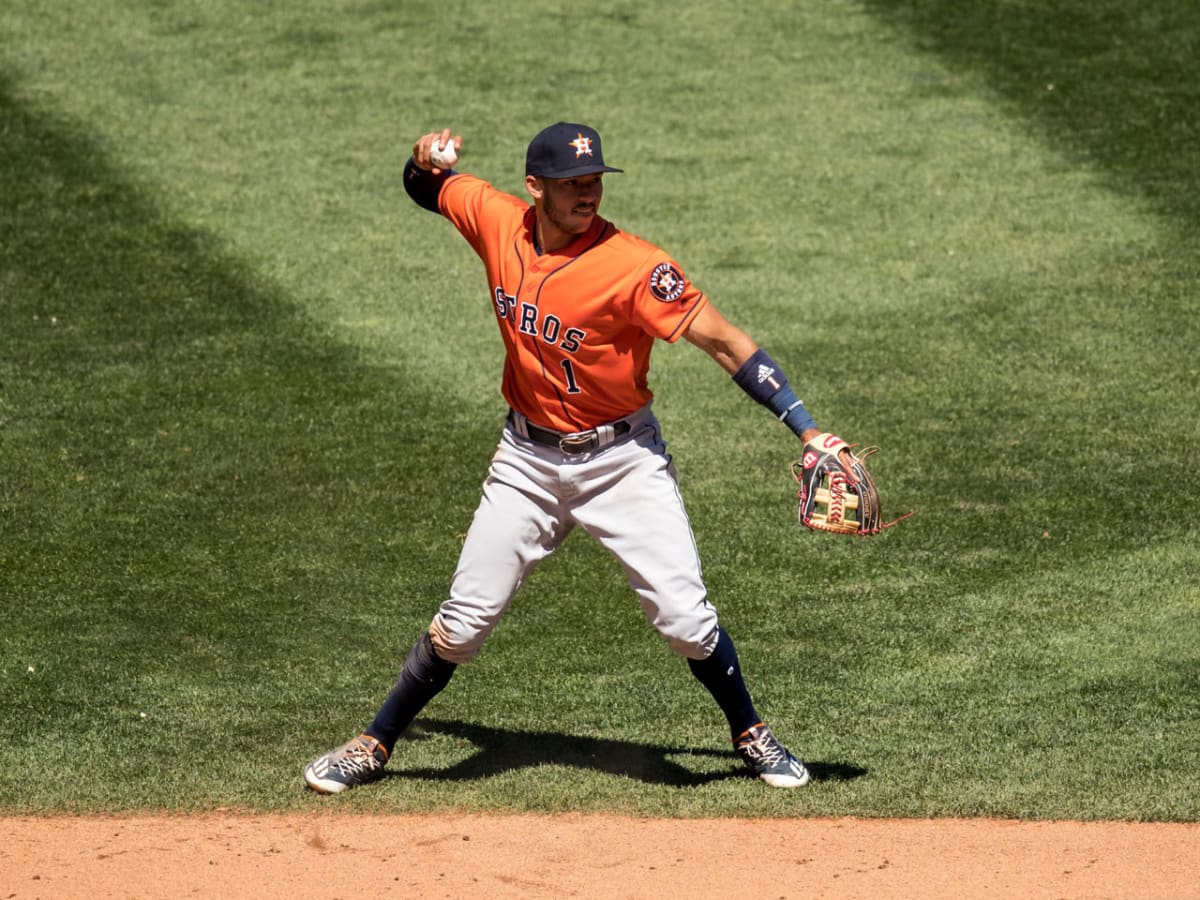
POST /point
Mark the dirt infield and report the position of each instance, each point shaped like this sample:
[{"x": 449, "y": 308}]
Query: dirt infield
[{"x": 459, "y": 856}]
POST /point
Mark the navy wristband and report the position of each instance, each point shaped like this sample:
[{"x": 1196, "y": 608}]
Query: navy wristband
[
  {"x": 797, "y": 418},
  {"x": 761, "y": 378},
  {"x": 423, "y": 186}
]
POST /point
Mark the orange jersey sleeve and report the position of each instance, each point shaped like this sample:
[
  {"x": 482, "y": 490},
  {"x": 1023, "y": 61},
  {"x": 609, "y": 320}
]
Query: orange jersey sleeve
[{"x": 578, "y": 324}]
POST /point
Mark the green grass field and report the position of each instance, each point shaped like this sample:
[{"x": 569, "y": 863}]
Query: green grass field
[{"x": 248, "y": 392}]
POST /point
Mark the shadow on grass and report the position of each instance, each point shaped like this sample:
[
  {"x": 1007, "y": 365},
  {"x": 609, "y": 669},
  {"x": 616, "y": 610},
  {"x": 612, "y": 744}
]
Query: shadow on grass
[
  {"x": 500, "y": 750},
  {"x": 189, "y": 467},
  {"x": 1108, "y": 81}
]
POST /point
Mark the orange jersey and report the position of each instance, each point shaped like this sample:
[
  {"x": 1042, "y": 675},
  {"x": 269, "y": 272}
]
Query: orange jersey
[{"x": 578, "y": 324}]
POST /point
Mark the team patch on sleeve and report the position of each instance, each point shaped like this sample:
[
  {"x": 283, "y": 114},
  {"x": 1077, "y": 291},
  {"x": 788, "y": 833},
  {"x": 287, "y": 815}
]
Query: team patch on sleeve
[{"x": 667, "y": 283}]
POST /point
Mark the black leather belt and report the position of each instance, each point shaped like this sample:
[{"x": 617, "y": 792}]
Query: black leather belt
[{"x": 573, "y": 444}]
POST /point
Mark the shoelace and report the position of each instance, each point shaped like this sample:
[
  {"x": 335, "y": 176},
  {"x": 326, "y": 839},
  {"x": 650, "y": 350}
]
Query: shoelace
[
  {"x": 764, "y": 750},
  {"x": 357, "y": 760}
]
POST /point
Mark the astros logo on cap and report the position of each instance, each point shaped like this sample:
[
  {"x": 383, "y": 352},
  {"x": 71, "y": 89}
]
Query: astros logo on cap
[{"x": 582, "y": 145}]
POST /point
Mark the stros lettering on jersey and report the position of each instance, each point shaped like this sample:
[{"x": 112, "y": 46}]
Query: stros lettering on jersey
[{"x": 579, "y": 323}]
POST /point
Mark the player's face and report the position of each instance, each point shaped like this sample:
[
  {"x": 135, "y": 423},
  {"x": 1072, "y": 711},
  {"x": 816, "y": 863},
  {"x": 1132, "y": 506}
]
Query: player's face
[{"x": 569, "y": 205}]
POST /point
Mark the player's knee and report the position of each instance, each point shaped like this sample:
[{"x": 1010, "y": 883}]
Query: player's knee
[
  {"x": 695, "y": 645},
  {"x": 454, "y": 643}
]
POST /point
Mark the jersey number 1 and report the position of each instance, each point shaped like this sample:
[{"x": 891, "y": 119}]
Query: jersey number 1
[{"x": 572, "y": 384}]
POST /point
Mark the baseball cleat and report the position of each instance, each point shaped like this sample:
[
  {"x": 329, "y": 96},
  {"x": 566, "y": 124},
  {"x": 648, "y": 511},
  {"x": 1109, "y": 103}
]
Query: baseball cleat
[
  {"x": 762, "y": 753},
  {"x": 358, "y": 761}
]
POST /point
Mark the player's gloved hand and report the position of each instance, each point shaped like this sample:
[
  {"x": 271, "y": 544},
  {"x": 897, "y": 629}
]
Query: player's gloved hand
[
  {"x": 837, "y": 493},
  {"x": 844, "y": 454}
]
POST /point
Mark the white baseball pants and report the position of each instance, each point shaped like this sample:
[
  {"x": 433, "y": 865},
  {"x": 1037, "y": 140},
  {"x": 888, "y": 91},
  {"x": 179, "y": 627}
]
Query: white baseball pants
[{"x": 625, "y": 495}]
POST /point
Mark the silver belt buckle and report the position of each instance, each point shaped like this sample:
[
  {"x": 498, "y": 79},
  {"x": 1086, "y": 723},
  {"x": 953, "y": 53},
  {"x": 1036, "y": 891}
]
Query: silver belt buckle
[{"x": 579, "y": 443}]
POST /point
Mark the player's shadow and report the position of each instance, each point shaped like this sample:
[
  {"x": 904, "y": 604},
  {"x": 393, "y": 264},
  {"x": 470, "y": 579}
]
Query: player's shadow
[{"x": 499, "y": 750}]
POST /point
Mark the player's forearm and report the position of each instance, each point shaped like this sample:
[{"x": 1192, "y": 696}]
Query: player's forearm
[
  {"x": 751, "y": 368},
  {"x": 763, "y": 379}
]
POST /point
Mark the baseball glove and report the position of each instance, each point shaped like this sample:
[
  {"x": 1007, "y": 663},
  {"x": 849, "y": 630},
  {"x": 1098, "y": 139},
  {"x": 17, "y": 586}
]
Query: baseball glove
[{"x": 835, "y": 496}]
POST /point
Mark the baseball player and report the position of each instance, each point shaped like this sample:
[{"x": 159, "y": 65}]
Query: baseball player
[{"x": 579, "y": 304}]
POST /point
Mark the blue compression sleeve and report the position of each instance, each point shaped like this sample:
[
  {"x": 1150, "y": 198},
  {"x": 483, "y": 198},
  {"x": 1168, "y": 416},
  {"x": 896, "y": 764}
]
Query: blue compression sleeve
[
  {"x": 722, "y": 675},
  {"x": 424, "y": 186},
  {"x": 761, "y": 378},
  {"x": 422, "y": 677}
]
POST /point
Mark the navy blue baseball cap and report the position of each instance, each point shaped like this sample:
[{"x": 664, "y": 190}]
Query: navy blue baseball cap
[{"x": 565, "y": 150}]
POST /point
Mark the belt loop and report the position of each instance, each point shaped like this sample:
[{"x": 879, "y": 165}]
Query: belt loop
[{"x": 519, "y": 423}]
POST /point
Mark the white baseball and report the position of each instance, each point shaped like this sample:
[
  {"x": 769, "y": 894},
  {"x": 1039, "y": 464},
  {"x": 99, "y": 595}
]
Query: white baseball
[{"x": 443, "y": 157}]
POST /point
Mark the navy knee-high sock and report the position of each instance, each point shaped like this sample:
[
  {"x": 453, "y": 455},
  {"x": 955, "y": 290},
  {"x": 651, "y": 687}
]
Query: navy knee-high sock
[
  {"x": 423, "y": 676},
  {"x": 722, "y": 675}
]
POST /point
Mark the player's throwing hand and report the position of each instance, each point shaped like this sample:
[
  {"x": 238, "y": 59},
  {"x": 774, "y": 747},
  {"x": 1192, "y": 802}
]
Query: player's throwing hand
[{"x": 437, "y": 151}]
